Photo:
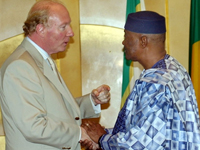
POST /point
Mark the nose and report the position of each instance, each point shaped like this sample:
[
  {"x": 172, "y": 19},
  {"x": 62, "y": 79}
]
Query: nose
[{"x": 70, "y": 32}]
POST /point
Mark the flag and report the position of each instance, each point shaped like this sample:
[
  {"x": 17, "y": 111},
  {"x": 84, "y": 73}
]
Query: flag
[
  {"x": 131, "y": 6},
  {"x": 194, "y": 47}
]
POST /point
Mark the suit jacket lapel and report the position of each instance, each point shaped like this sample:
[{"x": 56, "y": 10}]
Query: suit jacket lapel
[{"x": 47, "y": 71}]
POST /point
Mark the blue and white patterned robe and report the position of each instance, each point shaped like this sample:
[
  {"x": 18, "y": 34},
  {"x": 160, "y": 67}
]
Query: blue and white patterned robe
[{"x": 160, "y": 113}]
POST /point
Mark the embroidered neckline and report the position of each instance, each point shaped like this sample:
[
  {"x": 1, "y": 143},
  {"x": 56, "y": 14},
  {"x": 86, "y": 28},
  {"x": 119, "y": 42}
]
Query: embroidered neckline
[{"x": 161, "y": 63}]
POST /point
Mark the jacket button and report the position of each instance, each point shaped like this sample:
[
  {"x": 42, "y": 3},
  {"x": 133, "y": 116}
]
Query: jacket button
[
  {"x": 66, "y": 147},
  {"x": 77, "y": 118}
]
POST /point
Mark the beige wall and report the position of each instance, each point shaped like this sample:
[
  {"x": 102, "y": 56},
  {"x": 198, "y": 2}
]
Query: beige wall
[
  {"x": 179, "y": 15},
  {"x": 102, "y": 60},
  {"x": 70, "y": 60},
  {"x": 13, "y": 14}
]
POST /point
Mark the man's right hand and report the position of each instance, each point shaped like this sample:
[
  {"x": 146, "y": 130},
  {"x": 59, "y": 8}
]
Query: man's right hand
[
  {"x": 94, "y": 130},
  {"x": 87, "y": 142}
]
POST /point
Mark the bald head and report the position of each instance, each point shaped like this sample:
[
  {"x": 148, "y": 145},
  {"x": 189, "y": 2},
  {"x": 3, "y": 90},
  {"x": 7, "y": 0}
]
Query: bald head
[{"x": 39, "y": 14}]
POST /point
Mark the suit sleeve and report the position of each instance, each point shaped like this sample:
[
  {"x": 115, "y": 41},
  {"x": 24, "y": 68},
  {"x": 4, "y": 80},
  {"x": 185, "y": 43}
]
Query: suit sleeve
[
  {"x": 86, "y": 107},
  {"x": 25, "y": 100}
]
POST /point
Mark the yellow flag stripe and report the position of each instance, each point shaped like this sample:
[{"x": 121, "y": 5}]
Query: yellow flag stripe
[
  {"x": 131, "y": 71},
  {"x": 125, "y": 95},
  {"x": 138, "y": 7},
  {"x": 195, "y": 70},
  {"x": 127, "y": 91}
]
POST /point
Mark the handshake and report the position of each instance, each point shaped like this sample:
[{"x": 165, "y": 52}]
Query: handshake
[{"x": 91, "y": 133}]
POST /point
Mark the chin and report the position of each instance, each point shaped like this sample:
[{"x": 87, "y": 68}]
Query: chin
[
  {"x": 128, "y": 58},
  {"x": 62, "y": 50}
]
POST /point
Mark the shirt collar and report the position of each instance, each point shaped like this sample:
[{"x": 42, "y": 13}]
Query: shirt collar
[{"x": 44, "y": 54}]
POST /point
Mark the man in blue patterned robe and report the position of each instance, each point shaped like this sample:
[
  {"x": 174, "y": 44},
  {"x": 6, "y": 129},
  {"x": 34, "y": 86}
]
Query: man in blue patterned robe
[{"x": 161, "y": 111}]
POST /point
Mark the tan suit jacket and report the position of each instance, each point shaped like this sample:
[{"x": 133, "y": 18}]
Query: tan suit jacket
[{"x": 38, "y": 110}]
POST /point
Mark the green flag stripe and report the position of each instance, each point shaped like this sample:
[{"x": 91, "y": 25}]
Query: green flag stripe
[
  {"x": 130, "y": 7},
  {"x": 194, "y": 47},
  {"x": 194, "y": 27}
]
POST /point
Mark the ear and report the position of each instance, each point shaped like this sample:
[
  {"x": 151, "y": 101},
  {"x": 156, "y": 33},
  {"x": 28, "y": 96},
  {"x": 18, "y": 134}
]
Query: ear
[
  {"x": 143, "y": 41},
  {"x": 40, "y": 29}
]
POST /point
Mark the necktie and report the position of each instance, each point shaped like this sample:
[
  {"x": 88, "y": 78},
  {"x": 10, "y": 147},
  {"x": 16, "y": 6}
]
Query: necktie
[{"x": 53, "y": 67}]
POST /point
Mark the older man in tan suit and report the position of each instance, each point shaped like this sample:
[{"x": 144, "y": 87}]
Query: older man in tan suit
[{"x": 38, "y": 110}]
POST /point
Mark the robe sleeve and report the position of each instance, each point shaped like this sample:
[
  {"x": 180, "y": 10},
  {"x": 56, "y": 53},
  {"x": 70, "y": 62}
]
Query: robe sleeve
[{"x": 145, "y": 120}]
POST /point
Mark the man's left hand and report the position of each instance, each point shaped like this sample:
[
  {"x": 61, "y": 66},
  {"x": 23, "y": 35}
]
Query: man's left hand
[{"x": 101, "y": 95}]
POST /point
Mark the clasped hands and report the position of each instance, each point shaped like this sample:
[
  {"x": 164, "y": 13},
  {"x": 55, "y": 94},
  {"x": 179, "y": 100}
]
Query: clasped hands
[{"x": 92, "y": 132}]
